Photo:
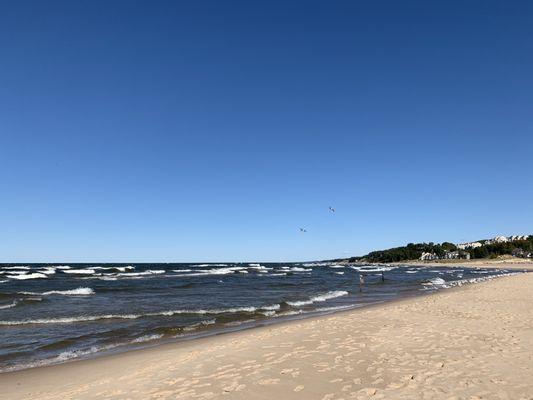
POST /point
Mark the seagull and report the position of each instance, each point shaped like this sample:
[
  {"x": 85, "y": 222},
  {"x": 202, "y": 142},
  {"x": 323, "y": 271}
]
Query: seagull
[
  {"x": 331, "y": 209},
  {"x": 303, "y": 230}
]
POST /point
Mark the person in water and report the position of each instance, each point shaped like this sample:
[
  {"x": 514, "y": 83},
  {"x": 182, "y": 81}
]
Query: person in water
[{"x": 361, "y": 282}]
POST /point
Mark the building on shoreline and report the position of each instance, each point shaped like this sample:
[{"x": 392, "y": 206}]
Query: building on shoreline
[{"x": 497, "y": 239}]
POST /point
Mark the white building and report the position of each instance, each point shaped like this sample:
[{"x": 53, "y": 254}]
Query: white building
[
  {"x": 470, "y": 245},
  {"x": 428, "y": 256}
]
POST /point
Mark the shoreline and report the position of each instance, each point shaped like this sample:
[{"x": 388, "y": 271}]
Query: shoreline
[
  {"x": 245, "y": 326},
  {"x": 155, "y": 366},
  {"x": 513, "y": 264}
]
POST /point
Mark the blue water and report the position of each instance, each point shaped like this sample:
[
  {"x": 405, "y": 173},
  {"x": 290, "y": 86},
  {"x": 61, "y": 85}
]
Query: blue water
[{"x": 54, "y": 313}]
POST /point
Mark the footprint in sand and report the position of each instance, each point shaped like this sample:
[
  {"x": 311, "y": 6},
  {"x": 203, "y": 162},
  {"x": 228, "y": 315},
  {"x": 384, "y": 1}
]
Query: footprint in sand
[{"x": 299, "y": 388}]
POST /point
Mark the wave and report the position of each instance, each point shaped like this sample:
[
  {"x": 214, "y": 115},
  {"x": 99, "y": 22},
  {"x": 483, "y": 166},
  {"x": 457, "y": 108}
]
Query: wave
[
  {"x": 193, "y": 327},
  {"x": 373, "y": 269},
  {"x": 47, "y": 271},
  {"x": 144, "y": 273},
  {"x": 6, "y": 306},
  {"x": 337, "y": 266},
  {"x": 147, "y": 338},
  {"x": 62, "y": 267},
  {"x": 214, "y": 271},
  {"x": 259, "y": 267},
  {"x": 339, "y": 272},
  {"x": 119, "y": 269},
  {"x": 83, "y": 291},
  {"x": 435, "y": 281},
  {"x": 18, "y": 267},
  {"x": 82, "y": 271},
  {"x": 35, "y": 275},
  {"x": 320, "y": 298},
  {"x": 91, "y": 318},
  {"x": 297, "y": 269},
  {"x": 209, "y": 265}
]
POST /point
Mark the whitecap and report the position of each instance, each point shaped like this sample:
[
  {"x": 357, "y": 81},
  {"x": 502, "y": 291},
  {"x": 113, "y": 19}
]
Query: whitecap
[
  {"x": 47, "y": 271},
  {"x": 6, "y": 306},
  {"x": 83, "y": 271},
  {"x": 144, "y": 273},
  {"x": 83, "y": 291},
  {"x": 319, "y": 298},
  {"x": 35, "y": 275}
]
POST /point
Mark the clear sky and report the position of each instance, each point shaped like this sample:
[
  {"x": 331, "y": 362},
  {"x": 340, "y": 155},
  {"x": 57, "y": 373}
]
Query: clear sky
[{"x": 208, "y": 131}]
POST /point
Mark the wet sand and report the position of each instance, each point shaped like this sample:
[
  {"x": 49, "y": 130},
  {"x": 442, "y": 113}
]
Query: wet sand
[{"x": 473, "y": 342}]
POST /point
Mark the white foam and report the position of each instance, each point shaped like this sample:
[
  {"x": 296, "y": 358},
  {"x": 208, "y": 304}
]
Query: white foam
[
  {"x": 259, "y": 267},
  {"x": 6, "y": 306},
  {"x": 319, "y": 298},
  {"x": 144, "y": 273},
  {"x": 18, "y": 267},
  {"x": 82, "y": 271},
  {"x": 339, "y": 272},
  {"x": 182, "y": 270},
  {"x": 214, "y": 271},
  {"x": 210, "y": 265},
  {"x": 83, "y": 291},
  {"x": 372, "y": 269},
  {"x": 35, "y": 275},
  {"x": 147, "y": 338},
  {"x": 337, "y": 266},
  {"x": 62, "y": 267},
  {"x": 435, "y": 281},
  {"x": 47, "y": 271},
  {"x": 199, "y": 324},
  {"x": 271, "y": 307},
  {"x": 268, "y": 313}
]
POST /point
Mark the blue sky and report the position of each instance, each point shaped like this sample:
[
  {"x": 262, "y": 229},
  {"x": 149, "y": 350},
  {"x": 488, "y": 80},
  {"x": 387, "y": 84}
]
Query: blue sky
[{"x": 208, "y": 131}]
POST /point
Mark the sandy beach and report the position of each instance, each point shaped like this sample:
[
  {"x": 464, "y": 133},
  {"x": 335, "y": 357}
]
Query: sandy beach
[{"x": 472, "y": 342}]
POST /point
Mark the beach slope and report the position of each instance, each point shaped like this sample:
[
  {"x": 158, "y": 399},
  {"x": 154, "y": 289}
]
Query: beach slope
[{"x": 473, "y": 342}]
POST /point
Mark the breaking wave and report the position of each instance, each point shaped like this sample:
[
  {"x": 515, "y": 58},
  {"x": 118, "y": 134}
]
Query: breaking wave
[
  {"x": 169, "y": 313},
  {"x": 321, "y": 297},
  {"x": 83, "y": 291}
]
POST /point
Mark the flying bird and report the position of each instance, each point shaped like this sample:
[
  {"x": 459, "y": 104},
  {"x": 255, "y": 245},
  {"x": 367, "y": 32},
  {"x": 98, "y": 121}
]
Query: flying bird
[
  {"x": 331, "y": 209},
  {"x": 303, "y": 230}
]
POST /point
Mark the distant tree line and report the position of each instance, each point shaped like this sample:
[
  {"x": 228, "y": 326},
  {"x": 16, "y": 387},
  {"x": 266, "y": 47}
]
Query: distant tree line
[
  {"x": 413, "y": 251},
  {"x": 499, "y": 249}
]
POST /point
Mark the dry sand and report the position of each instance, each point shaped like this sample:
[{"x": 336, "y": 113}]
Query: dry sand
[
  {"x": 500, "y": 263},
  {"x": 474, "y": 342}
]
